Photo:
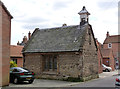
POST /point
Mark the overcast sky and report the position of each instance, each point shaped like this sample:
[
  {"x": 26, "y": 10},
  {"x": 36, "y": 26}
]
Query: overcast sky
[{"x": 31, "y": 14}]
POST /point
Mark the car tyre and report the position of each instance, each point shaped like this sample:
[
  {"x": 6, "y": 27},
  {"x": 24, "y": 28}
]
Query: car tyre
[
  {"x": 15, "y": 81},
  {"x": 31, "y": 81}
]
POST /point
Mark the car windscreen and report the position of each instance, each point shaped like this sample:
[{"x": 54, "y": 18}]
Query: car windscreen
[
  {"x": 104, "y": 65},
  {"x": 22, "y": 70}
]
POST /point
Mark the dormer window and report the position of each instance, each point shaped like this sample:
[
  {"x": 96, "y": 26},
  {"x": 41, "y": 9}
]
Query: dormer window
[{"x": 110, "y": 45}]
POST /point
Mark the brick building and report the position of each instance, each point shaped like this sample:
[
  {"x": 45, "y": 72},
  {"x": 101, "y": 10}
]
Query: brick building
[
  {"x": 63, "y": 52},
  {"x": 100, "y": 57},
  {"x": 16, "y": 54},
  {"x": 112, "y": 42},
  {"x": 25, "y": 39},
  {"x": 5, "y": 31},
  {"x": 108, "y": 58}
]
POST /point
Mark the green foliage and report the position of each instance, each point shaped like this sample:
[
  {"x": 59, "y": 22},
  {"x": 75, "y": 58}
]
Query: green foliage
[{"x": 13, "y": 64}]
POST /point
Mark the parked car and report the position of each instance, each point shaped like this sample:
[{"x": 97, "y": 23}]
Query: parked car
[
  {"x": 106, "y": 68},
  {"x": 117, "y": 82},
  {"x": 18, "y": 74}
]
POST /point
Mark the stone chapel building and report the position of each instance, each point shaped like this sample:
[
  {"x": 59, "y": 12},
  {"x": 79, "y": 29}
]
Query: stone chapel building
[{"x": 63, "y": 52}]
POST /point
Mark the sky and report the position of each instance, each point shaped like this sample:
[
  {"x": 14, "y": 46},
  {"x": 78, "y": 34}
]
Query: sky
[{"x": 31, "y": 14}]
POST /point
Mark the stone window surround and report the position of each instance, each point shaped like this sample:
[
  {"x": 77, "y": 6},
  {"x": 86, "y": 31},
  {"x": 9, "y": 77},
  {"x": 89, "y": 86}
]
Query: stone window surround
[{"x": 49, "y": 63}]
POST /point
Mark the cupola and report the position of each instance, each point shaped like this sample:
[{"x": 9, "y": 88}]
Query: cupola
[{"x": 84, "y": 14}]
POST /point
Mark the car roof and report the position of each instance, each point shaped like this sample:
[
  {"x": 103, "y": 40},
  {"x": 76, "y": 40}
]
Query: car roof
[{"x": 20, "y": 68}]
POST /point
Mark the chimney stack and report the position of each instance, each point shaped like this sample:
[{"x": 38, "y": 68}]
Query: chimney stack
[
  {"x": 107, "y": 35},
  {"x": 64, "y": 25},
  {"x": 25, "y": 39},
  {"x": 18, "y": 43},
  {"x": 29, "y": 35}
]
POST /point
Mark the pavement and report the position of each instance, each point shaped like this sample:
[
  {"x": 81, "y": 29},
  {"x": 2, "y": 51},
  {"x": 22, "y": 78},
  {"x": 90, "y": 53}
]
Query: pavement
[
  {"x": 108, "y": 74},
  {"x": 57, "y": 83}
]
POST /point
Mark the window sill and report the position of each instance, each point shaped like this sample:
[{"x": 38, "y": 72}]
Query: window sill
[{"x": 50, "y": 72}]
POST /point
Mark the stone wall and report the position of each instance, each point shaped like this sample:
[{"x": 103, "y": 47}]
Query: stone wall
[
  {"x": 69, "y": 64},
  {"x": 83, "y": 65},
  {"x": 90, "y": 59},
  {"x": 33, "y": 62}
]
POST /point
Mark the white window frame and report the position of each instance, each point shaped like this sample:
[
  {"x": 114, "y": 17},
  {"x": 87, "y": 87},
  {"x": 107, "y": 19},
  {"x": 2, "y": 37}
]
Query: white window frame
[{"x": 109, "y": 45}]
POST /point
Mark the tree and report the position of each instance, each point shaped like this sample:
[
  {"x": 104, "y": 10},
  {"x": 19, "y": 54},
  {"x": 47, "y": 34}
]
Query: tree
[{"x": 13, "y": 64}]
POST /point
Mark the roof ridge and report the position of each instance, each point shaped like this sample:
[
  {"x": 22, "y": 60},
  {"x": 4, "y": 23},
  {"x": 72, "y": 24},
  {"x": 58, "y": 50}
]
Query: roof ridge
[
  {"x": 5, "y": 8},
  {"x": 113, "y": 35},
  {"x": 49, "y": 28},
  {"x": 17, "y": 45}
]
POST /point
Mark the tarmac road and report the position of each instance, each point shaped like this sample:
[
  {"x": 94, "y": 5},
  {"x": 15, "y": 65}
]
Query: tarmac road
[{"x": 106, "y": 80}]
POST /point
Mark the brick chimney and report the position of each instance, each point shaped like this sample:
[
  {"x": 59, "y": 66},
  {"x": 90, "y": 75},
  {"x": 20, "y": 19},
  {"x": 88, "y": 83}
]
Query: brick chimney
[
  {"x": 64, "y": 25},
  {"x": 18, "y": 43},
  {"x": 29, "y": 35},
  {"x": 107, "y": 35},
  {"x": 25, "y": 39}
]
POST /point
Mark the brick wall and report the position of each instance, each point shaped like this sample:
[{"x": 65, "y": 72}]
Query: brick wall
[
  {"x": 5, "y": 29},
  {"x": 100, "y": 62},
  {"x": 0, "y": 46},
  {"x": 112, "y": 61},
  {"x": 114, "y": 48},
  {"x": 100, "y": 59},
  {"x": 113, "y": 54},
  {"x": 19, "y": 61}
]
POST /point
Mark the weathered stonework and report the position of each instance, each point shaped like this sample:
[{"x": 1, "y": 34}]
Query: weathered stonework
[
  {"x": 80, "y": 64},
  {"x": 90, "y": 61},
  {"x": 73, "y": 47}
]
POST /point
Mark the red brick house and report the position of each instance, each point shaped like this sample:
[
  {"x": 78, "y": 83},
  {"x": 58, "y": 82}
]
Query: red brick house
[
  {"x": 16, "y": 54},
  {"x": 100, "y": 57},
  {"x": 112, "y": 42},
  {"x": 63, "y": 52},
  {"x": 5, "y": 35},
  {"x": 108, "y": 58}
]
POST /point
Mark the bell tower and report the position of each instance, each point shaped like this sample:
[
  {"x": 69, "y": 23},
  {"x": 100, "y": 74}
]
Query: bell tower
[{"x": 84, "y": 14}]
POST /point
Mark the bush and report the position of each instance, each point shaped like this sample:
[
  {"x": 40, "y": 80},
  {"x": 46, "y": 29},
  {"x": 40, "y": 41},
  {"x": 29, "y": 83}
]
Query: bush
[{"x": 13, "y": 64}]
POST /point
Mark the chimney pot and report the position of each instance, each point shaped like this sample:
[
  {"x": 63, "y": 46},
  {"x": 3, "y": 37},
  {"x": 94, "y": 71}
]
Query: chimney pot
[
  {"x": 18, "y": 43},
  {"x": 29, "y": 35},
  {"x": 64, "y": 25},
  {"x": 25, "y": 39},
  {"x": 107, "y": 35}
]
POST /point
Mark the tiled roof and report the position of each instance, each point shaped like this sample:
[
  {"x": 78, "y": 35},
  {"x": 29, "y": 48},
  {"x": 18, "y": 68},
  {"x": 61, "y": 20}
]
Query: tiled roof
[
  {"x": 60, "y": 39},
  {"x": 112, "y": 39},
  {"x": 15, "y": 51}
]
